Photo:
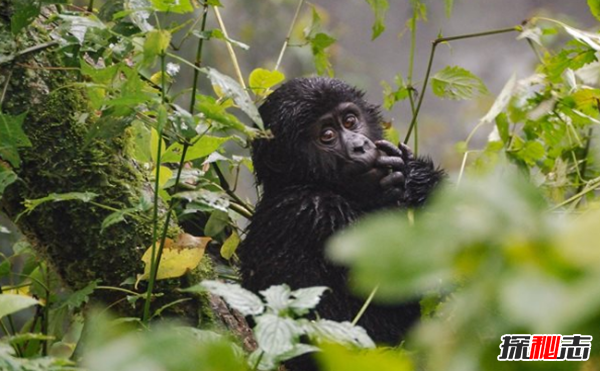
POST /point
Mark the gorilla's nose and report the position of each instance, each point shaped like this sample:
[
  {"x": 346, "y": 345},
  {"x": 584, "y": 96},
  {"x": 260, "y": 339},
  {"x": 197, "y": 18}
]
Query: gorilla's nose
[{"x": 359, "y": 146}]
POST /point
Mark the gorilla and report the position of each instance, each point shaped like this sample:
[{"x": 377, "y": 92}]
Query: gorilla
[{"x": 326, "y": 166}]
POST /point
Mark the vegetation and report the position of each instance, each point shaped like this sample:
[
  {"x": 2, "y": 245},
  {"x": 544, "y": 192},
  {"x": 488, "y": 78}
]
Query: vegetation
[{"x": 101, "y": 165}]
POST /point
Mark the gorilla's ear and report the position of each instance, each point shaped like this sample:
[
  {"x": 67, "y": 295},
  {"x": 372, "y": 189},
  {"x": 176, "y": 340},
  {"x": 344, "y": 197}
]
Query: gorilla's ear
[{"x": 267, "y": 161}]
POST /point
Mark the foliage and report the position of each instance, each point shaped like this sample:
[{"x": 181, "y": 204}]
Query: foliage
[
  {"x": 509, "y": 248},
  {"x": 278, "y": 329}
]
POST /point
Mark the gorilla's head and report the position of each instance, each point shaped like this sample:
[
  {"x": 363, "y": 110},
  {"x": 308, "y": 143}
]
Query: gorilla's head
[{"x": 324, "y": 133}]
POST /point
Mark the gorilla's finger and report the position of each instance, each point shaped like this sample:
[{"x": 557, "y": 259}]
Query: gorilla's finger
[
  {"x": 407, "y": 152},
  {"x": 395, "y": 163},
  {"x": 394, "y": 179},
  {"x": 388, "y": 148}
]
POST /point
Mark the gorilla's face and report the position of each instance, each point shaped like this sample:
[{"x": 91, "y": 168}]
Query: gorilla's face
[{"x": 342, "y": 142}]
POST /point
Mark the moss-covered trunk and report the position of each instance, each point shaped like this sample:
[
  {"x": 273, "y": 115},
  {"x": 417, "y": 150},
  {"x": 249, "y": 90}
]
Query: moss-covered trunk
[{"x": 61, "y": 160}]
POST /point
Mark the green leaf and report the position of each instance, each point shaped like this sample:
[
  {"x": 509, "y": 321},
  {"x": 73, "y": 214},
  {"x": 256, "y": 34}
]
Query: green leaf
[
  {"x": 173, "y": 6},
  {"x": 303, "y": 300},
  {"x": 12, "y": 137},
  {"x": 277, "y": 297},
  {"x": 141, "y": 142},
  {"x": 319, "y": 41},
  {"x": 340, "y": 332},
  {"x": 79, "y": 297},
  {"x": 531, "y": 152},
  {"x": 232, "y": 89},
  {"x": 213, "y": 200},
  {"x": 203, "y": 147},
  {"x": 380, "y": 8},
  {"x": 230, "y": 245},
  {"x": 25, "y": 11},
  {"x": 261, "y": 80},
  {"x": 79, "y": 26},
  {"x": 30, "y": 205},
  {"x": 238, "y": 298},
  {"x": 10, "y": 303},
  {"x": 448, "y": 4},
  {"x": 7, "y": 177},
  {"x": 156, "y": 44},
  {"x": 594, "y": 8},
  {"x": 276, "y": 335},
  {"x": 457, "y": 83},
  {"x": 216, "y": 223}
]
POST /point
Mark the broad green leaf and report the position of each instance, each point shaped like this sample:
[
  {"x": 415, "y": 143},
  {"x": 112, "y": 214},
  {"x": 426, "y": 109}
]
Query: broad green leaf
[
  {"x": 206, "y": 145},
  {"x": 212, "y": 200},
  {"x": 156, "y": 44},
  {"x": 217, "y": 112},
  {"x": 216, "y": 223},
  {"x": 233, "y": 90},
  {"x": 303, "y": 300},
  {"x": 11, "y": 303},
  {"x": 230, "y": 245},
  {"x": 277, "y": 297},
  {"x": 12, "y": 137},
  {"x": 238, "y": 298},
  {"x": 261, "y": 80},
  {"x": 79, "y": 26},
  {"x": 531, "y": 152},
  {"x": 173, "y": 6},
  {"x": 276, "y": 335},
  {"x": 319, "y": 41},
  {"x": 325, "y": 330},
  {"x": 594, "y": 8},
  {"x": 380, "y": 8},
  {"x": 457, "y": 83}
]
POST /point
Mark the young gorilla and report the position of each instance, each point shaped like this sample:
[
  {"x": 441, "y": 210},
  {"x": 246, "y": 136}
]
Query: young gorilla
[{"x": 326, "y": 166}]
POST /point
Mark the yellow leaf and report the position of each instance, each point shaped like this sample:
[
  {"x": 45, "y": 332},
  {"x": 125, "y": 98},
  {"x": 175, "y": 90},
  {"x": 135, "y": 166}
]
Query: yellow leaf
[
  {"x": 178, "y": 257},
  {"x": 154, "y": 145},
  {"x": 165, "y": 175},
  {"x": 230, "y": 245}
]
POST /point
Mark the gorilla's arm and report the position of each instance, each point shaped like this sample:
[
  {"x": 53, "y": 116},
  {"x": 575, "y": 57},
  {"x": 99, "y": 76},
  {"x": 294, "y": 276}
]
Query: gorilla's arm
[{"x": 286, "y": 239}]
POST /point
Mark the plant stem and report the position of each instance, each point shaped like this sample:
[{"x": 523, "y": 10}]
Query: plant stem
[
  {"x": 586, "y": 152},
  {"x": 434, "y": 45},
  {"x": 236, "y": 65},
  {"x": 289, "y": 34},
  {"x": 198, "y": 60},
  {"x": 169, "y": 213},
  {"x": 153, "y": 261},
  {"x": 365, "y": 306},
  {"x": 91, "y": 6},
  {"x": 413, "y": 41}
]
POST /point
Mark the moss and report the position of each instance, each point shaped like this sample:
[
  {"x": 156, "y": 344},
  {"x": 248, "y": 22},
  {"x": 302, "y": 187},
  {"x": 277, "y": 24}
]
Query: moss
[{"x": 62, "y": 160}]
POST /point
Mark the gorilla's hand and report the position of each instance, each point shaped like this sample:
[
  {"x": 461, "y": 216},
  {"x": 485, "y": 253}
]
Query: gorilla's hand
[{"x": 396, "y": 160}]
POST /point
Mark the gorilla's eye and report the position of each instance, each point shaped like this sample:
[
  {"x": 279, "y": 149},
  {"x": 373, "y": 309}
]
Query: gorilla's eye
[
  {"x": 350, "y": 121},
  {"x": 327, "y": 136}
]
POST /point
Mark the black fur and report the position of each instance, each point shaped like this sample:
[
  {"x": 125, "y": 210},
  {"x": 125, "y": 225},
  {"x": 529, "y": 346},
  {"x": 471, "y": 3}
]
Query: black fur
[{"x": 303, "y": 204}]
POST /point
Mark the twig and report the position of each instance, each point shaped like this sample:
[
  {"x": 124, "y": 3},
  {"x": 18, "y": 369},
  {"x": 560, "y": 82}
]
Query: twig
[
  {"x": 198, "y": 60},
  {"x": 289, "y": 34},
  {"x": 32, "y": 49},
  {"x": 236, "y": 65},
  {"x": 434, "y": 45}
]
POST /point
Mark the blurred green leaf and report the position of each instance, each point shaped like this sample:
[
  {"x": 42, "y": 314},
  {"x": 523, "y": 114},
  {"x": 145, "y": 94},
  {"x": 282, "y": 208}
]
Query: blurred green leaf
[
  {"x": 339, "y": 358},
  {"x": 12, "y": 137},
  {"x": 594, "y": 8},
  {"x": 457, "y": 83},
  {"x": 173, "y": 6},
  {"x": 379, "y": 8},
  {"x": 261, "y": 80}
]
